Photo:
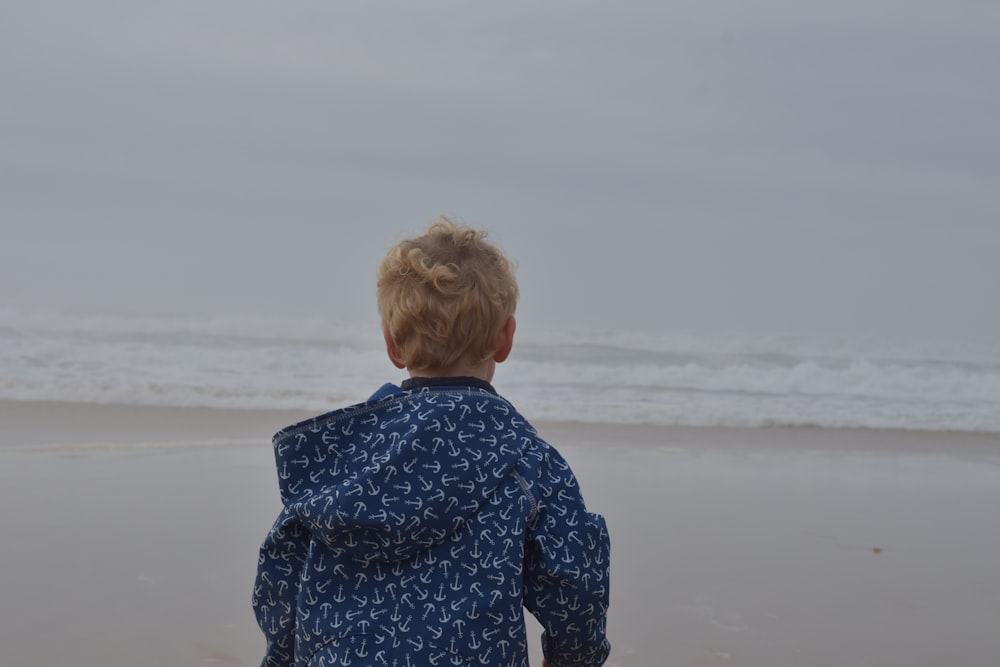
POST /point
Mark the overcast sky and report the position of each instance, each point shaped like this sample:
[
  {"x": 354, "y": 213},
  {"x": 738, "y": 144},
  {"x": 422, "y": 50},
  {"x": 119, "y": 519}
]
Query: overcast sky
[{"x": 723, "y": 165}]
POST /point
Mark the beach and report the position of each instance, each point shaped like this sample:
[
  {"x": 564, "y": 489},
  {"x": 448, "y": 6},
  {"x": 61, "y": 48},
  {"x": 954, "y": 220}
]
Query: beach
[{"x": 131, "y": 535}]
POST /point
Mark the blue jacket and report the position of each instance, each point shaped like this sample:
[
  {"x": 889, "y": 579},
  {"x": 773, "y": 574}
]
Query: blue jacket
[{"x": 415, "y": 529}]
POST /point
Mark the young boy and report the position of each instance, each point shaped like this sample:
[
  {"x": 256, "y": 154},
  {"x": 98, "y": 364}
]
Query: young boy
[{"x": 417, "y": 525}]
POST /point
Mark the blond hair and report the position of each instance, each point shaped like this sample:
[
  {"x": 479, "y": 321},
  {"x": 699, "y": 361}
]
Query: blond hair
[{"x": 445, "y": 296}]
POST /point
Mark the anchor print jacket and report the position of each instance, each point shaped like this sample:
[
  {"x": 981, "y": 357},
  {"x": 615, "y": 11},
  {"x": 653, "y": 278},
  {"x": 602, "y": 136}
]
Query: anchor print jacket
[{"x": 415, "y": 529}]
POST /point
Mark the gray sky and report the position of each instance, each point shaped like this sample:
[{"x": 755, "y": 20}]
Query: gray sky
[{"x": 773, "y": 165}]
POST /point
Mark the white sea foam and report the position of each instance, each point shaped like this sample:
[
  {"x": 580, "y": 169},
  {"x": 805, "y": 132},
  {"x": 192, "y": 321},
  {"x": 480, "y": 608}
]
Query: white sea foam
[{"x": 691, "y": 379}]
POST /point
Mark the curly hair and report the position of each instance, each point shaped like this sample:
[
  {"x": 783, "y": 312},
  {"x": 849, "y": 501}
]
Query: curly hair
[{"x": 445, "y": 295}]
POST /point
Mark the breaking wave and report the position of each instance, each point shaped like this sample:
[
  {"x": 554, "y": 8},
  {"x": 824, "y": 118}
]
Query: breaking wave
[{"x": 672, "y": 378}]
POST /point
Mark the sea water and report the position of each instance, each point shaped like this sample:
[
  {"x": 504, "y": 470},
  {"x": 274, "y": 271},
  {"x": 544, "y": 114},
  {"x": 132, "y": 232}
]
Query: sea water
[{"x": 712, "y": 379}]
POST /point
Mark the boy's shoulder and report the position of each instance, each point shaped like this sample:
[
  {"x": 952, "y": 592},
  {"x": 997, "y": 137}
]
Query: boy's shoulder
[{"x": 459, "y": 412}]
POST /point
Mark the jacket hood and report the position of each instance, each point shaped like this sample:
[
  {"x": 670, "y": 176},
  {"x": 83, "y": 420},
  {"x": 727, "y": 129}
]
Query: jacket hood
[{"x": 386, "y": 479}]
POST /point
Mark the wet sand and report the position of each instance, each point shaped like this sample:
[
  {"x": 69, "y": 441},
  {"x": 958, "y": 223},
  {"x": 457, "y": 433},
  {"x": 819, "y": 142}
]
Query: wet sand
[{"x": 130, "y": 538}]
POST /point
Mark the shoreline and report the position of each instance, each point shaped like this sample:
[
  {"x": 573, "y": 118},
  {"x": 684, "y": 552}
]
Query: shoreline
[{"x": 122, "y": 423}]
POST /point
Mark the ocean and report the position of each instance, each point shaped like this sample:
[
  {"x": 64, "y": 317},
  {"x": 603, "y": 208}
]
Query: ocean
[{"x": 667, "y": 378}]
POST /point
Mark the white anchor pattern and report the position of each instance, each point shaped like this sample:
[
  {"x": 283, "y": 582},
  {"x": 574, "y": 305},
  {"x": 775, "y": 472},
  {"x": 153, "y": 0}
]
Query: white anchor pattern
[{"x": 416, "y": 528}]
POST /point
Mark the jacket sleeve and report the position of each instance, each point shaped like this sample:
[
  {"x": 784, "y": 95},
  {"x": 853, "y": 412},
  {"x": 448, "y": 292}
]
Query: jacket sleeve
[
  {"x": 276, "y": 589},
  {"x": 566, "y": 570}
]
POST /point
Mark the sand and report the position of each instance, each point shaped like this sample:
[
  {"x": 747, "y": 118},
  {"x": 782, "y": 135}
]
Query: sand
[{"x": 130, "y": 538}]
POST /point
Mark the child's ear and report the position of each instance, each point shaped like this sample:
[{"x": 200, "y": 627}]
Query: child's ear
[
  {"x": 390, "y": 347},
  {"x": 505, "y": 340}
]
